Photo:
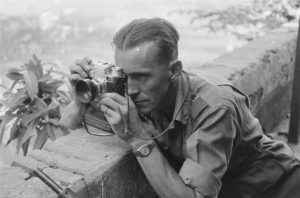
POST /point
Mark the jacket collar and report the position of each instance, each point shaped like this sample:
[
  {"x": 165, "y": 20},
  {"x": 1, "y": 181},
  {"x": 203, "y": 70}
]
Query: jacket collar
[{"x": 183, "y": 99}]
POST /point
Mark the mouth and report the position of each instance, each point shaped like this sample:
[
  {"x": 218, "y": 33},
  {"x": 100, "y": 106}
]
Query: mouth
[{"x": 138, "y": 103}]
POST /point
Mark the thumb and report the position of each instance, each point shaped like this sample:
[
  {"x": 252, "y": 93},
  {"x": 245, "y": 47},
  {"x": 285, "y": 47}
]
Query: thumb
[
  {"x": 124, "y": 119},
  {"x": 131, "y": 104}
]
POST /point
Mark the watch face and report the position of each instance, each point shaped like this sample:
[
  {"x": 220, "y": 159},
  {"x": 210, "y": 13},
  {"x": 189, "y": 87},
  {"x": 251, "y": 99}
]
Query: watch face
[{"x": 145, "y": 151}]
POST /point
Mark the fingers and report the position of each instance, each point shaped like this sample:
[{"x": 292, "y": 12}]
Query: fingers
[
  {"x": 74, "y": 78},
  {"x": 106, "y": 110},
  {"x": 114, "y": 107},
  {"x": 83, "y": 61},
  {"x": 84, "y": 65},
  {"x": 80, "y": 70},
  {"x": 74, "y": 69},
  {"x": 125, "y": 120},
  {"x": 118, "y": 102},
  {"x": 112, "y": 116},
  {"x": 88, "y": 60},
  {"x": 116, "y": 97},
  {"x": 110, "y": 102}
]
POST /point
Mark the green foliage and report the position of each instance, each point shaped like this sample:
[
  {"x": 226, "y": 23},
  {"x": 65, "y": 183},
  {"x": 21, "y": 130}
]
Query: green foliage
[
  {"x": 247, "y": 21},
  {"x": 31, "y": 106}
]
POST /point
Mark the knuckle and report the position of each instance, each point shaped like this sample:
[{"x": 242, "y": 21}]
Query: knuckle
[
  {"x": 117, "y": 119},
  {"x": 88, "y": 59},
  {"x": 81, "y": 62},
  {"x": 73, "y": 78},
  {"x": 104, "y": 99}
]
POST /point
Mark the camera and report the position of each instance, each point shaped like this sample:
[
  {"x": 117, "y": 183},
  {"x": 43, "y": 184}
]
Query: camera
[
  {"x": 104, "y": 78},
  {"x": 115, "y": 81}
]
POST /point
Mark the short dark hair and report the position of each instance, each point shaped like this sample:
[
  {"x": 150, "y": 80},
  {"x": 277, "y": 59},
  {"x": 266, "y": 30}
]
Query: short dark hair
[{"x": 158, "y": 30}]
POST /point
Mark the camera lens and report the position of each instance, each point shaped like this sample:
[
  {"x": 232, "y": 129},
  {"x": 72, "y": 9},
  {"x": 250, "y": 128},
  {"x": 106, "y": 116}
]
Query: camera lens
[{"x": 85, "y": 90}]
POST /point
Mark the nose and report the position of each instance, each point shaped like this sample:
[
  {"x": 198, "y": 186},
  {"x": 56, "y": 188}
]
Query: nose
[{"x": 132, "y": 87}]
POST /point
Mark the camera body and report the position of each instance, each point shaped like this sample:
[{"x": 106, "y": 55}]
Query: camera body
[{"x": 104, "y": 78}]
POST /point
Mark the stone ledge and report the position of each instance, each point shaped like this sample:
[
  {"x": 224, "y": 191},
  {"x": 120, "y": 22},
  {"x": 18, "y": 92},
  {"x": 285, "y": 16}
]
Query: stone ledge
[
  {"x": 263, "y": 69},
  {"x": 104, "y": 167}
]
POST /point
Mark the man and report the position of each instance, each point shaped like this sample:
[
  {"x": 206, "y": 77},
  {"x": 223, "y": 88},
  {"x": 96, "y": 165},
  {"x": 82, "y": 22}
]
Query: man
[{"x": 192, "y": 138}]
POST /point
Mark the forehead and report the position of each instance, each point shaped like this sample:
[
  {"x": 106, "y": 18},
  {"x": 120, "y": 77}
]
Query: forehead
[{"x": 141, "y": 56}]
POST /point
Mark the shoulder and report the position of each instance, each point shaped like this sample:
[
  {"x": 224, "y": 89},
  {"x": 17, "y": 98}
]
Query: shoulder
[{"x": 207, "y": 90}]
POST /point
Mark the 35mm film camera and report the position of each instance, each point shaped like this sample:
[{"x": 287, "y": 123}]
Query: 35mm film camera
[{"x": 104, "y": 78}]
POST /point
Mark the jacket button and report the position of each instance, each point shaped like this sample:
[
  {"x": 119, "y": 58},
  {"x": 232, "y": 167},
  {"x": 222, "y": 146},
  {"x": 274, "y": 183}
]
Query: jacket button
[{"x": 187, "y": 180}]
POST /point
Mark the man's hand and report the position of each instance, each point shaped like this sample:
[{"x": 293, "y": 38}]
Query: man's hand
[
  {"x": 73, "y": 113},
  {"x": 80, "y": 70},
  {"x": 122, "y": 115}
]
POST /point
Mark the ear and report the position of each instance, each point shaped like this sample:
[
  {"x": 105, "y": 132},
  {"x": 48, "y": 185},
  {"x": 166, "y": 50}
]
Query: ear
[{"x": 175, "y": 69}]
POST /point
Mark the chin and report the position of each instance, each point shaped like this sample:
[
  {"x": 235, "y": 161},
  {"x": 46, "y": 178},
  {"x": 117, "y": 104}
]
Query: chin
[{"x": 144, "y": 110}]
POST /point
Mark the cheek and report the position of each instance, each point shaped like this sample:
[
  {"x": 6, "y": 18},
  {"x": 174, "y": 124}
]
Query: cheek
[{"x": 158, "y": 89}]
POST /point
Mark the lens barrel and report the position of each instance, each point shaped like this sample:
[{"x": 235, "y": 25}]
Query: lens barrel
[{"x": 86, "y": 90}]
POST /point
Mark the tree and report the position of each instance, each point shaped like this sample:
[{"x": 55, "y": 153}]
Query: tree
[{"x": 249, "y": 21}]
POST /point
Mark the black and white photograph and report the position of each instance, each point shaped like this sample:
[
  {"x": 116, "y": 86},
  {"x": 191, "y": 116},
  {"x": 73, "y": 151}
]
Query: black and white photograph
[{"x": 149, "y": 99}]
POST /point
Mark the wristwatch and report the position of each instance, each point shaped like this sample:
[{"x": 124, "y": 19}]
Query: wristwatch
[{"x": 144, "y": 150}]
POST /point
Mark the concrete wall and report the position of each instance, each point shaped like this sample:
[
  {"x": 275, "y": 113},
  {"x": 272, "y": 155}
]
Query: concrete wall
[
  {"x": 104, "y": 167},
  {"x": 263, "y": 69}
]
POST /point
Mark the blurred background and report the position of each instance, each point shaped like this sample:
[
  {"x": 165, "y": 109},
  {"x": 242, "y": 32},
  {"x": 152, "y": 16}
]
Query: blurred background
[{"x": 61, "y": 31}]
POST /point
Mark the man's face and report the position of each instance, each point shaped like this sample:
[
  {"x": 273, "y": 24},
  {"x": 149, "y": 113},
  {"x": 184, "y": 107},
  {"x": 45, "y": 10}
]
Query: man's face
[{"x": 148, "y": 81}]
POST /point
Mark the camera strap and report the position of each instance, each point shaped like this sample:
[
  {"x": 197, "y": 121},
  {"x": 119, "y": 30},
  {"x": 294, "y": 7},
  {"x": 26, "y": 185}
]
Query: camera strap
[{"x": 133, "y": 134}]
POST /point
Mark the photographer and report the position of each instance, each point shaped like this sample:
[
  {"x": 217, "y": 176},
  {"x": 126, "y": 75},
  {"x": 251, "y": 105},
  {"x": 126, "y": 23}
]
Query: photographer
[{"x": 192, "y": 137}]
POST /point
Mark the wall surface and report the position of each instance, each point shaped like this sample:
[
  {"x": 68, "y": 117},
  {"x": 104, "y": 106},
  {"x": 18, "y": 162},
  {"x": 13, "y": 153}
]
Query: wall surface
[{"x": 104, "y": 167}]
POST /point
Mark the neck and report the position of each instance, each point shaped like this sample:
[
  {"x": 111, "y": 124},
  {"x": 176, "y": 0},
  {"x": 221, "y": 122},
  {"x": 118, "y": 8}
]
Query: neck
[{"x": 167, "y": 105}]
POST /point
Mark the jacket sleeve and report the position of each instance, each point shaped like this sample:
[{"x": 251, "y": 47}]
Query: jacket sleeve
[{"x": 208, "y": 150}]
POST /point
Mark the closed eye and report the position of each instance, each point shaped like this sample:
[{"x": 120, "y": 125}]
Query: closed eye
[{"x": 139, "y": 76}]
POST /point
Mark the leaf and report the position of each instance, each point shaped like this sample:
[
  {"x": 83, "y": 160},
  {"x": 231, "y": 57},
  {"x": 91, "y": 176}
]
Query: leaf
[
  {"x": 50, "y": 131},
  {"x": 3, "y": 86},
  {"x": 51, "y": 85},
  {"x": 45, "y": 78},
  {"x": 15, "y": 74},
  {"x": 38, "y": 66},
  {"x": 40, "y": 104},
  {"x": 25, "y": 146},
  {"x": 7, "y": 118},
  {"x": 60, "y": 131},
  {"x": 7, "y": 95},
  {"x": 14, "y": 130},
  {"x": 3, "y": 102},
  {"x": 64, "y": 96},
  {"x": 13, "y": 85},
  {"x": 54, "y": 121},
  {"x": 65, "y": 131},
  {"x": 60, "y": 72},
  {"x": 18, "y": 98},
  {"x": 34, "y": 65},
  {"x": 31, "y": 84},
  {"x": 28, "y": 118},
  {"x": 41, "y": 139},
  {"x": 17, "y": 141},
  {"x": 29, "y": 132}
]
